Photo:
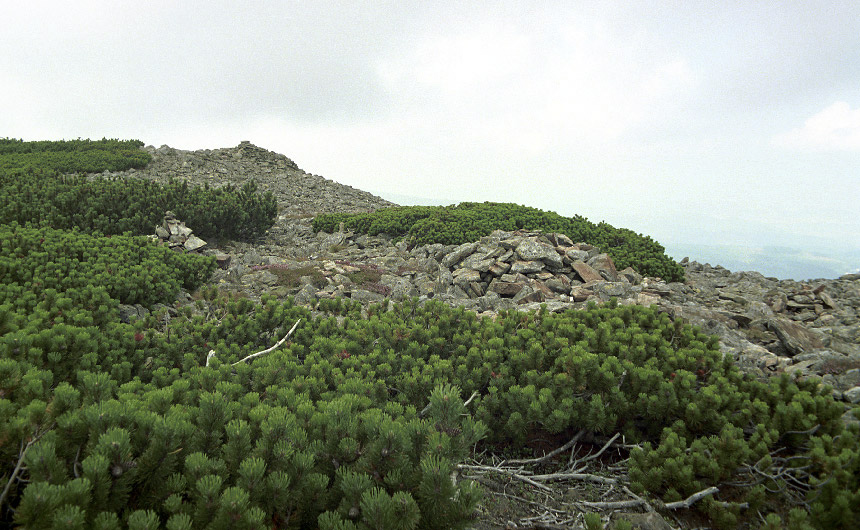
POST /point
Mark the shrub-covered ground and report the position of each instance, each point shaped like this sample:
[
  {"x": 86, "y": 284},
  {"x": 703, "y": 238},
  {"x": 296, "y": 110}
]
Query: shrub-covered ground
[
  {"x": 115, "y": 424},
  {"x": 469, "y": 221},
  {"x": 73, "y": 156},
  {"x": 363, "y": 415},
  {"x": 39, "y": 190}
]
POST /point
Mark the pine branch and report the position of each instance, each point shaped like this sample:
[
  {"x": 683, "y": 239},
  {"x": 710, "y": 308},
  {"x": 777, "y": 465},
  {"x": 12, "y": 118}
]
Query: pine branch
[
  {"x": 20, "y": 464},
  {"x": 426, "y": 409}
]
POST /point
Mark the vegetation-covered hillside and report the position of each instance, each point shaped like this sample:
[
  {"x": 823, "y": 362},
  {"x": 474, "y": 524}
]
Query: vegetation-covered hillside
[
  {"x": 365, "y": 417},
  {"x": 469, "y": 221},
  {"x": 73, "y": 156},
  {"x": 40, "y": 192}
]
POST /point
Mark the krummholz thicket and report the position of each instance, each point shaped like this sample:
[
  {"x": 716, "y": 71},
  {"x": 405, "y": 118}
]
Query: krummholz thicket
[{"x": 367, "y": 416}]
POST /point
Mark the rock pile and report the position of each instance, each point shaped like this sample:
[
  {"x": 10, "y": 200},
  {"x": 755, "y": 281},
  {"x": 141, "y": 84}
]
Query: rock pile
[
  {"x": 527, "y": 267},
  {"x": 751, "y": 314},
  {"x": 173, "y": 233}
]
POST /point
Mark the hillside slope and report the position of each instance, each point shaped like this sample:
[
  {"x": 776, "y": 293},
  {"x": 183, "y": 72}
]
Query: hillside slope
[{"x": 592, "y": 394}]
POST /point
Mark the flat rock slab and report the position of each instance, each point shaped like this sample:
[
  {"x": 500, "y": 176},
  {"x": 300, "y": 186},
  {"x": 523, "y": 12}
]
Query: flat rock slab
[
  {"x": 506, "y": 288},
  {"x": 527, "y": 267},
  {"x": 797, "y": 339},
  {"x": 586, "y": 272},
  {"x": 531, "y": 250},
  {"x": 459, "y": 254}
]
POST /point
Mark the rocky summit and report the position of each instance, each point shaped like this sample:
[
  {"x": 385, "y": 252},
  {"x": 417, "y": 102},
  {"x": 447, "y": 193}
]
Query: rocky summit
[{"x": 768, "y": 326}]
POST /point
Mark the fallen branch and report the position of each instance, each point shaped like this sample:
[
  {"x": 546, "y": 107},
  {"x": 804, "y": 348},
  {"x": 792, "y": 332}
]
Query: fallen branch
[
  {"x": 588, "y": 477},
  {"x": 576, "y": 463},
  {"x": 259, "y": 353},
  {"x": 549, "y": 455},
  {"x": 686, "y": 503},
  {"x": 510, "y": 472},
  {"x": 692, "y": 499}
]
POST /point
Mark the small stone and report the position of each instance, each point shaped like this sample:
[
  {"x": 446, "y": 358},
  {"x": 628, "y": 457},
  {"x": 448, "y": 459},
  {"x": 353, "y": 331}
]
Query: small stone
[
  {"x": 498, "y": 268},
  {"x": 531, "y": 250},
  {"x": 576, "y": 254},
  {"x": 631, "y": 276},
  {"x": 223, "y": 260},
  {"x": 459, "y": 254},
  {"x": 795, "y": 337},
  {"x": 559, "y": 284},
  {"x": 579, "y": 294},
  {"x": 827, "y": 301},
  {"x": 463, "y": 277},
  {"x": 604, "y": 265}
]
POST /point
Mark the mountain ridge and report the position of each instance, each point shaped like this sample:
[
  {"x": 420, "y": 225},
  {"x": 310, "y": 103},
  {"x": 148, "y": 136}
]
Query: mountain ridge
[{"x": 747, "y": 310}]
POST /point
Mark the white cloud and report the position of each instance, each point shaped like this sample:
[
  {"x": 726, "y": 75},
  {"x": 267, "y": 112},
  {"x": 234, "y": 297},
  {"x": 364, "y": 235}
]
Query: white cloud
[
  {"x": 573, "y": 85},
  {"x": 836, "y": 128}
]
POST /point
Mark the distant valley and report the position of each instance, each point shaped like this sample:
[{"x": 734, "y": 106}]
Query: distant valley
[{"x": 784, "y": 263}]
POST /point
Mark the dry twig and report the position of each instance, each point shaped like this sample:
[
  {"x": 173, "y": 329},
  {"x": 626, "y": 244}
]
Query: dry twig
[
  {"x": 259, "y": 353},
  {"x": 549, "y": 455},
  {"x": 574, "y": 463}
]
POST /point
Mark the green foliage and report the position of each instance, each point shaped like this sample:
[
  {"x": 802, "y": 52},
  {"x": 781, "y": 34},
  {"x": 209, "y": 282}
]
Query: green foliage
[
  {"x": 116, "y": 205},
  {"x": 326, "y": 431},
  {"x": 37, "y": 186},
  {"x": 73, "y": 156},
  {"x": 593, "y": 521},
  {"x": 469, "y": 221}
]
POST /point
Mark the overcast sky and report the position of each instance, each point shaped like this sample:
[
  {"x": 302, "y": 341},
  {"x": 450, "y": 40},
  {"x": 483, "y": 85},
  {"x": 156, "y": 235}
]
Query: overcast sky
[{"x": 697, "y": 122}]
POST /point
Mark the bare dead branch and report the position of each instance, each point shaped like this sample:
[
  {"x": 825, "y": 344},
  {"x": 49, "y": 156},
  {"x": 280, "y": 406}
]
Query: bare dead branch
[
  {"x": 510, "y": 472},
  {"x": 692, "y": 499},
  {"x": 588, "y": 477},
  {"x": 259, "y": 353},
  {"x": 549, "y": 455},
  {"x": 639, "y": 501},
  {"x": 580, "y": 461}
]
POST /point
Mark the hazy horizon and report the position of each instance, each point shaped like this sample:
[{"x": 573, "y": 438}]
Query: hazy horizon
[{"x": 774, "y": 261}]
